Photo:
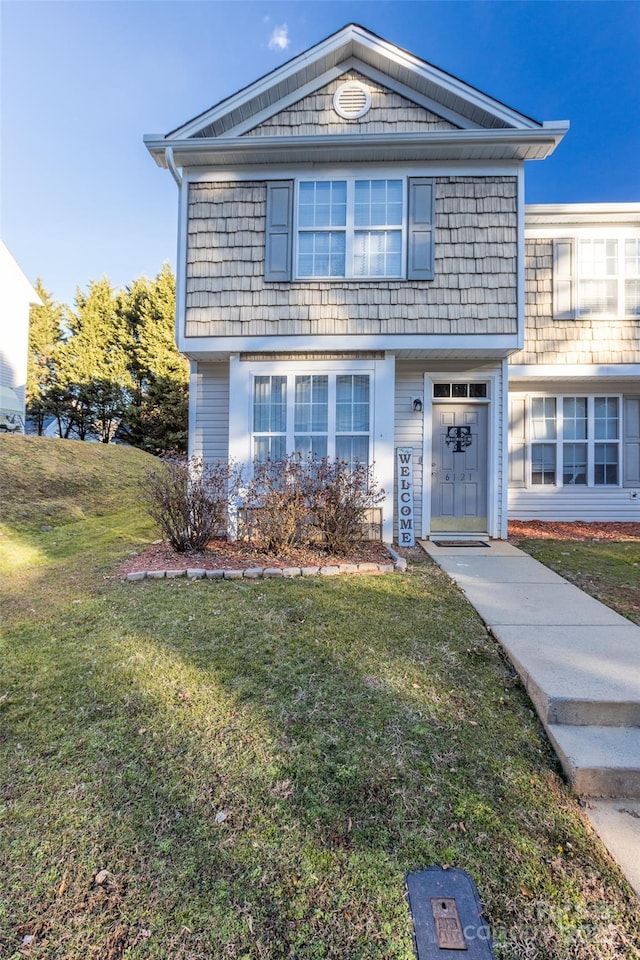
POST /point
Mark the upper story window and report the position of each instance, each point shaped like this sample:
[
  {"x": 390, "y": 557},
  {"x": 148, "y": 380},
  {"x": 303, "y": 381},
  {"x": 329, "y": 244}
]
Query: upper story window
[
  {"x": 596, "y": 277},
  {"x": 350, "y": 228}
]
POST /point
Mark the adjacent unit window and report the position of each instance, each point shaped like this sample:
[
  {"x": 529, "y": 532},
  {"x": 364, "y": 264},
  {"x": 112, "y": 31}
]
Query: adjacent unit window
[
  {"x": 596, "y": 277},
  {"x": 350, "y": 228},
  {"x": 574, "y": 441},
  {"x": 322, "y": 415}
]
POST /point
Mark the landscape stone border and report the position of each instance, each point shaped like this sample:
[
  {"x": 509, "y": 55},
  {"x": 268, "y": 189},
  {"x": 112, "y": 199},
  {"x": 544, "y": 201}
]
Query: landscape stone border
[{"x": 267, "y": 573}]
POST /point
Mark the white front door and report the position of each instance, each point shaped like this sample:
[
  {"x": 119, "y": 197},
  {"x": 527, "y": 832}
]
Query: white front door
[{"x": 459, "y": 468}]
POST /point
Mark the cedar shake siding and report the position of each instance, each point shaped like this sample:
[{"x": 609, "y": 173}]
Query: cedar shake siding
[
  {"x": 474, "y": 290},
  {"x": 549, "y": 341},
  {"x": 314, "y": 114}
]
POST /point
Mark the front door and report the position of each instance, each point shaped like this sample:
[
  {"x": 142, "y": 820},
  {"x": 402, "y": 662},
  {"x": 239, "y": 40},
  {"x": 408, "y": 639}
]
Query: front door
[{"x": 459, "y": 468}]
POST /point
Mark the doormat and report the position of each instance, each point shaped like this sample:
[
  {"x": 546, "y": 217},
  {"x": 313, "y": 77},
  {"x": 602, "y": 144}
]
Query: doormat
[{"x": 460, "y": 543}]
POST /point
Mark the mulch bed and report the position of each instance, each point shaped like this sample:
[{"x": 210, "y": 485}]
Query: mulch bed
[
  {"x": 240, "y": 555},
  {"x": 223, "y": 555},
  {"x": 576, "y": 530}
]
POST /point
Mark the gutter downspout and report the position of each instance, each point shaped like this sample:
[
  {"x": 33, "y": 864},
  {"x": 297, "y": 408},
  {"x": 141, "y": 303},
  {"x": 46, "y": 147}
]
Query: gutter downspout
[{"x": 168, "y": 155}]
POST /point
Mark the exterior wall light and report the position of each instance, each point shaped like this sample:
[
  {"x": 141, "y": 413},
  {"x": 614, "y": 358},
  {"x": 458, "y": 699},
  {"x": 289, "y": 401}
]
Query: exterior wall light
[{"x": 417, "y": 404}]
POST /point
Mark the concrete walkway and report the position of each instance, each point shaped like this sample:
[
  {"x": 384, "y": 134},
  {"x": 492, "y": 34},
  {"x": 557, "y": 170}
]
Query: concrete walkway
[{"x": 580, "y": 664}]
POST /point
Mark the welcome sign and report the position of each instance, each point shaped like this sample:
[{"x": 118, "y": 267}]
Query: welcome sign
[{"x": 406, "y": 526}]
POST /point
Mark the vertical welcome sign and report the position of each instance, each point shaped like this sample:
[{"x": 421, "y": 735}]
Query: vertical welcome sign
[{"x": 406, "y": 528}]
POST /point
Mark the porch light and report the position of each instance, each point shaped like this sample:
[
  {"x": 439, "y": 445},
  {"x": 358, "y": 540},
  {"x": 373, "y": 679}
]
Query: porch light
[{"x": 417, "y": 404}]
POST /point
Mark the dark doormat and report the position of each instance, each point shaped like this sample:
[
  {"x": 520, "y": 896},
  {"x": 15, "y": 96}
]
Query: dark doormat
[{"x": 460, "y": 543}]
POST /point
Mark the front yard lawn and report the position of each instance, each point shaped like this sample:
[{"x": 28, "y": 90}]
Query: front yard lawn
[{"x": 247, "y": 769}]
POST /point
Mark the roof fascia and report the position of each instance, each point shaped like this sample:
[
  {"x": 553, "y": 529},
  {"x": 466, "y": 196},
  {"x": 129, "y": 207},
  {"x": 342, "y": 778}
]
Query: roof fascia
[
  {"x": 350, "y": 38},
  {"x": 541, "y": 140},
  {"x": 539, "y": 214}
]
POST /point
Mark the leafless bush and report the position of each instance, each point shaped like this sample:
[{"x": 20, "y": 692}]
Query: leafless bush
[
  {"x": 190, "y": 499},
  {"x": 338, "y": 498},
  {"x": 276, "y": 503},
  {"x": 298, "y": 499}
]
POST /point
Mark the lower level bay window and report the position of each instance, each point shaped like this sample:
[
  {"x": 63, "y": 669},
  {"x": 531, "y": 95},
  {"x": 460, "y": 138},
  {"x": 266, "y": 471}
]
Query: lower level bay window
[
  {"x": 574, "y": 441},
  {"x": 321, "y": 415}
]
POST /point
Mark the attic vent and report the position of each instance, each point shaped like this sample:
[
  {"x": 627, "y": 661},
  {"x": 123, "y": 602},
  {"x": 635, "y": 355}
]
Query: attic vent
[{"x": 351, "y": 100}]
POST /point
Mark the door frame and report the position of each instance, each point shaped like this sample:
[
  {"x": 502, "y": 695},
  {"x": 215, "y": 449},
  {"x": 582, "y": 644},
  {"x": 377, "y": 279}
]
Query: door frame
[{"x": 493, "y": 404}]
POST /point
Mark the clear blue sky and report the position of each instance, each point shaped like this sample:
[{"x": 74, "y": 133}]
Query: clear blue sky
[{"x": 81, "y": 82}]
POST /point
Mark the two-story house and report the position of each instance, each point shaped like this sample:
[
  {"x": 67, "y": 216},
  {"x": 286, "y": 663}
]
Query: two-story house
[{"x": 353, "y": 279}]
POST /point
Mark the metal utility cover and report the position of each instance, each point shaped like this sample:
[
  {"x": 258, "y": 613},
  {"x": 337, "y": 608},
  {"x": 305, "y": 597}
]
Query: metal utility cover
[{"x": 447, "y": 916}]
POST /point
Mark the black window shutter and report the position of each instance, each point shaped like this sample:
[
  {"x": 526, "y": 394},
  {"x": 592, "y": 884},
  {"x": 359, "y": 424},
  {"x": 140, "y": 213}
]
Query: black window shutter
[
  {"x": 421, "y": 228},
  {"x": 279, "y": 230}
]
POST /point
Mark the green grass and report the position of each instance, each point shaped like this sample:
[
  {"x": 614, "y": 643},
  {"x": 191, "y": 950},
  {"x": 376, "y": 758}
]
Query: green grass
[
  {"x": 258, "y": 764},
  {"x": 605, "y": 569}
]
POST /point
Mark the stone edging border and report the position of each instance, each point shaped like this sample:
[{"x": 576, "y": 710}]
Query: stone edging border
[{"x": 258, "y": 573}]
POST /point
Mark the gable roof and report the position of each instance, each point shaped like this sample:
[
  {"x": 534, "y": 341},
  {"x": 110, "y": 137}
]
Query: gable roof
[{"x": 209, "y": 138}]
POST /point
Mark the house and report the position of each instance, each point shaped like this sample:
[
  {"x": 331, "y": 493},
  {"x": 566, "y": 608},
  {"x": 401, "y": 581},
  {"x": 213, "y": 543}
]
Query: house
[
  {"x": 16, "y": 297},
  {"x": 354, "y": 281}
]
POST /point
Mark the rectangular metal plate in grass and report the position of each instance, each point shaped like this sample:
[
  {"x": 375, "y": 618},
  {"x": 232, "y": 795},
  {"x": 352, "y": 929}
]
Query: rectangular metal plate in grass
[{"x": 447, "y": 916}]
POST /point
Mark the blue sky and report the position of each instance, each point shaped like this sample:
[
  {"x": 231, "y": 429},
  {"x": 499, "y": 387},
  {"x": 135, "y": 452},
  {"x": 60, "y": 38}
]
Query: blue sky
[{"x": 81, "y": 82}]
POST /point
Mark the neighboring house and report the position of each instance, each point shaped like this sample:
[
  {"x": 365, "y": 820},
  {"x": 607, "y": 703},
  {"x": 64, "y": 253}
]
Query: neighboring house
[
  {"x": 352, "y": 283},
  {"x": 16, "y": 297}
]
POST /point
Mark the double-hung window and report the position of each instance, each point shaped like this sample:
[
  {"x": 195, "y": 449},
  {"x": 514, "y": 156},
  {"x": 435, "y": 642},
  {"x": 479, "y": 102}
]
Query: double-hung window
[
  {"x": 350, "y": 228},
  {"x": 320, "y": 415},
  {"x": 597, "y": 277},
  {"x": 574, "y": 441}
]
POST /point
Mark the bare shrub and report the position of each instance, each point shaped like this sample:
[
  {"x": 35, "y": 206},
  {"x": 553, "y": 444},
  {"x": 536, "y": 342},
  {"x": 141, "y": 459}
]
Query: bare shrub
[
  {"x": 276, "y": 503},
  {"x": 190, "y": 499},
  {"x": 338, "y": 498}
]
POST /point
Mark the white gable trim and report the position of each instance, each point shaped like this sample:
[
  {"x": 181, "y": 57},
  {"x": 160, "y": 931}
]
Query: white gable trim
[
  {"x": 343, "y": 46},
  {"x": 346, "y": 66},
  {"x": 298, "y": 94}
]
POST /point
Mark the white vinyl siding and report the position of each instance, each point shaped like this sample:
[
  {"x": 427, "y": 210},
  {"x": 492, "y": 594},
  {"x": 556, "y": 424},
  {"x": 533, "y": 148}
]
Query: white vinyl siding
[{"x": 211, "y": 440}]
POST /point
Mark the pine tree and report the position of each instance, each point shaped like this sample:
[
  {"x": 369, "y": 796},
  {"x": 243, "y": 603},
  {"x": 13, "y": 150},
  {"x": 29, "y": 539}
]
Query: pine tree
[
  {"x": 158, "y": 416},
  {"x": 45, "y": 331},
  {"x": 92, "y": 363}
]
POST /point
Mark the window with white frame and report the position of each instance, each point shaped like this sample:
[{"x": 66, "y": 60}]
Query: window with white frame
[
  {"x": 321, "y": 415},
  {"x": 608, "y": 277},
  {"x": 350, "y": 228},
  {"x": 574, "y": 441}
]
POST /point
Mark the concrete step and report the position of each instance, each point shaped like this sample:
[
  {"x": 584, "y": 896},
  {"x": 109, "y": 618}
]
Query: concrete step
[
  {"x": 599, "y": 761},
  {"x": 586, "y": 676}
]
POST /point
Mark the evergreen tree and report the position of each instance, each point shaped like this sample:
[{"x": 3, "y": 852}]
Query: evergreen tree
[
  {"x": 92, "y": 369},
  {"x": 158, "y": 416},
  {"x": 45, "y": 331}
]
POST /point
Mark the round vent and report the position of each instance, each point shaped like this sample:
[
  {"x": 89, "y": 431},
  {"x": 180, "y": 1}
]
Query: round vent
[{"x": 351, "y": 100}]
